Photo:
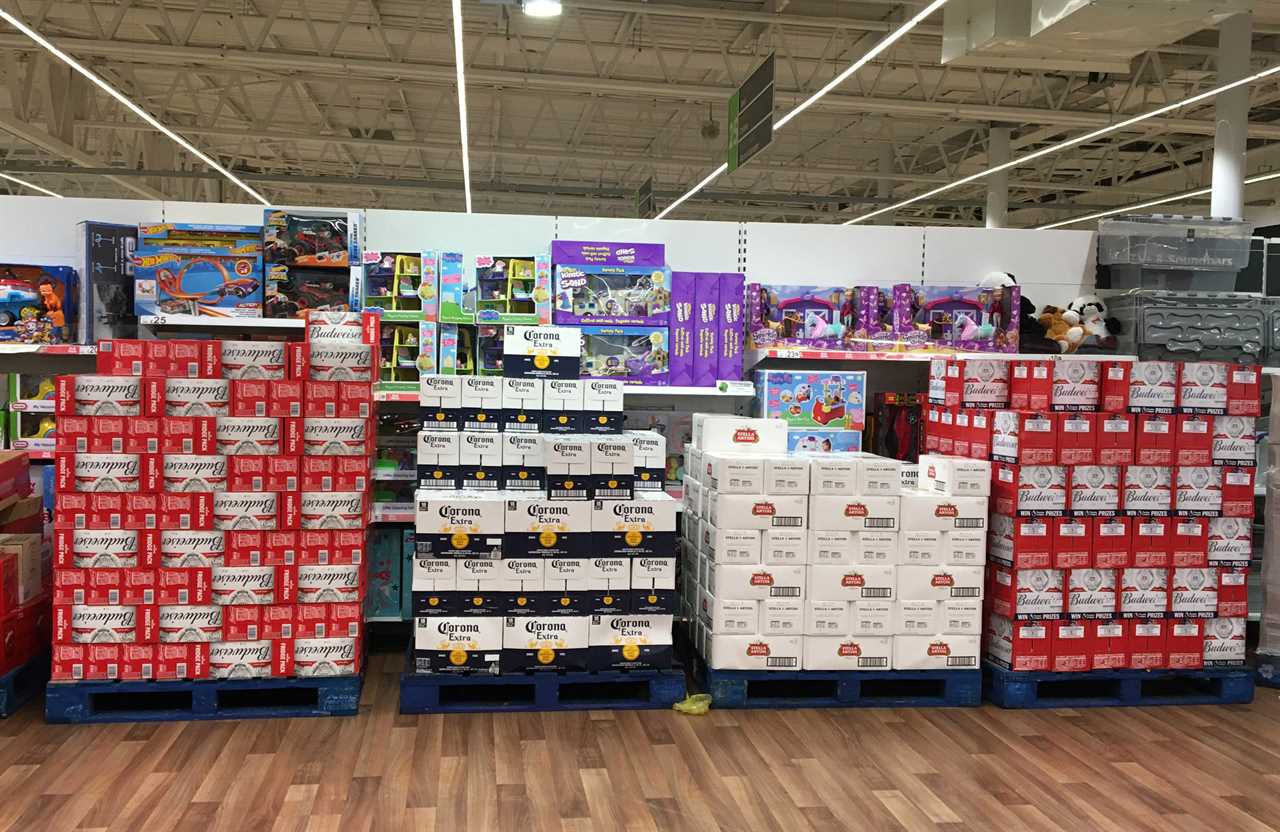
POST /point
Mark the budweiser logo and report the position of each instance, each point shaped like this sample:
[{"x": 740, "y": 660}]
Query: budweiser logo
[
  {"x": 232, "y": 578},
  {"x": 180, "y": 617}
]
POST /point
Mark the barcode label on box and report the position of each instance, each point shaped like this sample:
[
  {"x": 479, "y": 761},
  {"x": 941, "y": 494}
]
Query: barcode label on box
[
  {"x": 880, "y": 523},
  {"x": 611, "y": 494},
  {"x": 962, "y": 661},
  {"x": 970, "y": 522},
  {"x": 966, "y": 592},
  {"x": 146, "y": 671},
  {"x": 252, "y": 632},
  {"x": 77, "y": 671},
  {"x": 784, "y": 592},
  {"x": 568, "y": 494},
  {"x": 788, "y": 521},
  {"x": 873, "y": 661},
  {"x": 877, "y": 592},
  {"x": 781, "y": 661}
]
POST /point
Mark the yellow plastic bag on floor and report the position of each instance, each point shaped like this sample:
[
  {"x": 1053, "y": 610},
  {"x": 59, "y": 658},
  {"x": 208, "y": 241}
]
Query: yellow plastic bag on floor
[{"x": 694, "y": 705}]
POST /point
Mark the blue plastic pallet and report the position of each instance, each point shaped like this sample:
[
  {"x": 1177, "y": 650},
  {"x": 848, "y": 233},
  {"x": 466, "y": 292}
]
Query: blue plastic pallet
[
  {"x": 20, "y": 685},
  {"x": 443, "y": 693},
  {"x": 82, "y": 702},
  {"x": 1123, "y": 688},
  {"x": 841, "y": 689}
]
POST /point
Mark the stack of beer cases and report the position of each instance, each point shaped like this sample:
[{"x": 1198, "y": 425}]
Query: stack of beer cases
[
  {"x": 1122, "y": 511},
  {"x": 212, "y": 499},
  {"x": 24, "y": 567},
  {"x": 826, "y": 562},
  {"x": 544, "y": 539}
]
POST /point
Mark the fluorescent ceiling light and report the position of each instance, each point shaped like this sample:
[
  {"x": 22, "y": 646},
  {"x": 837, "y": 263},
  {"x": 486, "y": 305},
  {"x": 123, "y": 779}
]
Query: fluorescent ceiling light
[
  {"x": 1151, "y": 203},
  {"x": 134, "y": 108},
  {"x": 1068, "y": 143},
  {"x": 542, "y": 8},
  {"x": 462, "y": 100},
  {"x": 24, "y": 183},
  {"x": 881, "y": 45}
]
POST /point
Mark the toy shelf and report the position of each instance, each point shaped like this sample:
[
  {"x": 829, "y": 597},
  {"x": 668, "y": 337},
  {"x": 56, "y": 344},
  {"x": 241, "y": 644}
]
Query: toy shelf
[
  {"x": 47, "y": 349},
  {"x": 210, "y": 322},
  {"x": 393, "y": 512},
  {"x": 727, "y": 389},
  {"x": 754, "y": 357},
  {"x": 31, "y": 406},
  {"x": 394, "y": 476}
]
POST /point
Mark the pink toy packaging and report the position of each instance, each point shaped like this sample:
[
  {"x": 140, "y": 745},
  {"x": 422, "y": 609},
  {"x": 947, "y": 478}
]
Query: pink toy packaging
[
  {"x": 706, "y": 348},
  {"x": 682, "y": 335},
  {"x": 732, "y": 301},
  {"x": 820, "y": 317},
  {"x": 963, "y": 318}
]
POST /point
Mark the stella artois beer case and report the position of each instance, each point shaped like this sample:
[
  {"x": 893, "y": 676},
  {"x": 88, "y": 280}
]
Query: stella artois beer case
[
  {"x": 212, "y": 501},
  {"x": 544, "y": 539},
  {"x": 1122, "y": 502}
]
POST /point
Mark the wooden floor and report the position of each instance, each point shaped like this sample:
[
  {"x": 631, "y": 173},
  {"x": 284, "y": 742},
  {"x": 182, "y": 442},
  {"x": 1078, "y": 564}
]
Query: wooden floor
[{"x": 1154, "y": 769}]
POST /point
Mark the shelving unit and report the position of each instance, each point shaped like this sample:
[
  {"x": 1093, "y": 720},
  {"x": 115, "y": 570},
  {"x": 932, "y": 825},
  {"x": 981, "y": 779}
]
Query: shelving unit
[{"x": 209, "y": 322}]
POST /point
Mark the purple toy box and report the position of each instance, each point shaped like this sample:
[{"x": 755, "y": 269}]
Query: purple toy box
[
  {"x": 875, "y": 316},
  {"x": 732, "y": 300},
  {"x": 963, "y": 318},
  {"x": 706, "y": 321},
  {"x": 682, "y": 328},
  {"x": 819, "y": 317},
  {"x": 611, "y": 283}
]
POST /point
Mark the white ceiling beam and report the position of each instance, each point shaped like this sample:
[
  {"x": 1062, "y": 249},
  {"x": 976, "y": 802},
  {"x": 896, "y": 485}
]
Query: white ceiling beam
[{"x": 32, "y": 134}]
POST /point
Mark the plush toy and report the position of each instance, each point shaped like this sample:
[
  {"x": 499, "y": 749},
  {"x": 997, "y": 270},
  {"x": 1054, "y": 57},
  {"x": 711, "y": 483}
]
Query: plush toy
[
  {"x": 1062, "y": 328},
  {"x": 1097, "y": 329},
  {"x": 1032, "y": 337}
]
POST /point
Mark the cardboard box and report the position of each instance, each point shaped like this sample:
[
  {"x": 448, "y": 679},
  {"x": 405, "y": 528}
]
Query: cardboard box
[
  {"x": 859, "y": 514},
  {"x": 1244, "y": 391},
  {"x": 88, "y": 473},
  {"x": 735, "y": 474},
  {"x": 1185, "y": 644},
  {"x": 612, "y": 468},
  {"x": 1029, "y": 490},
  {"x": 1233, "y": 591},
  {"x": 833, "y": 475},
  {"x": 562, "y": 404},
  {"x": 1117, "y": 434},
  {"x": 854, "y": 582},
  {"x": 1112, "y": 542},
  {"x": 936, "y": 652},
  {"x": 1071, "y": 646},
  {"x": 1095, "y": 490},
  {"x": 463, "y": 524},
  {"x": 440, "y": 399},
  {"x": 650, "y": 459},
  {"x": 831, "y": 546},
  {"x": 1077, "y": 385},
  {"x": 602, "y": 406},
  {"x": 89, "y": 624},
  {"x": 544, "y": 643},
  {"x": 1114, "y": 381},
  {"x": 1077, "y": 439},
  {"x": 1230, "y": 540},
  {"x": 542, "y": 352},
  {"x": 1027, "y": 594},
  {"x": 102, "y": 395},
  {"x": 190, "y": 548},
  {"x": 846, "y": 652},
  {"x": 111, "y": 548},
  {"x": 1152, "y": 541},
  {"x": 1020, "y": 542},
  {"x": 754, "y": 652},
  {"x": 936, "y": 512},
  {"x": 1018, "y": 645},
  {"x": 1190, "y": 542},
  {"x": 97, "y": 587},
  {"x": 480, "y": 460},
  {"x": 713, "y": 432},
  {"x": 746, "y": 511},
  {"x": 568, "y": 462},
  {"x": 1202, "y": 387},
  {"x": 259, "y": 473},
  {"x": 1091, "y": 593},
  {"x": 784, "y": 546},
  {"x": 1155, "y": 439},
  {"x": 955, "y": 476},
  {"x": 629, "y": 642},
  {"x": 1030, "y": 384},
  {"x": 253, "y": 359},
  {"x": 756, "y": 582},
  {"x": 1109, "y": 644},
  {"x": 939, "y": 583},
  {"x": 729, "y": 616},
  {"x": 741, "y": 546},
  {"x": 1072, "y": 538},
  {"x": 642, "y": 527},
  {"x": 1153, "y": 386},
  {"x": 1148, "y": 490},
  {"x": 1224, "y": 642},
  {"x": 781, "y": 617},
  {"x": 1025, "y": 437}
]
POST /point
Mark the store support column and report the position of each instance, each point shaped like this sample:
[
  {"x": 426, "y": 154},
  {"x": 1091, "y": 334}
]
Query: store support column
[
  {"x": 998, "y": 184},
  {"x": 1235, "y": 38}
]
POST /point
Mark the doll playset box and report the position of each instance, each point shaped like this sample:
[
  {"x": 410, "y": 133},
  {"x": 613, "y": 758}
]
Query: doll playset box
[
  {"x": 961, "y": 318},
  {"x": 625, "y": 284},
  {"x": 818, "y": 317},
  {"x": 808, "y": 399}
]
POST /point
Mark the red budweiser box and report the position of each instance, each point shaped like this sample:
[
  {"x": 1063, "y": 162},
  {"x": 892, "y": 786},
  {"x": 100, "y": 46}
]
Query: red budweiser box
[
  {"x": 131, "y": 357},
  {"x": 267, "y": 436},
  {"x": 1029, "y": 490},
  {"x": 328, "y": 620},
  {"x": 258, "y": 398},
  {"x": 1155, "y": 439},
  {"x": 1189, "y": 542},
  {"x": 243, "y": 622},
  {"x": 1234, "y": 442},
  {"x": 1021, "y": 542},
  {"x": 1144, "y": 592},
  {"x": 946, "y": 430},
  {"x": 1193, "y": 592},
  {"x": 251, "y": 659},
  {"x": 338, "y": 400},
  {"x": 104, "y": 587},
  {"x": 85, "y": 662},
  {"x": 197, "y": 397},
  {"x": 245, "y": 547},
  {"x": 256, "y": 510},
  {"x": 1230, "y": 540},
  {"x": 341, "y": 656},
  {"x": 1233, "y": 591},
  {"x": 1153, "y": 387},
  {"x": 1018, "y": 645},
  {"x": 254, "y": 359},
  {"x": 1072, "y": 542},
  {"x": 1027, "y": 594},
  {"x": 279, "y": 621},
  {"x": 180, "y": 512},
  {"x": 101, "y": 395},
  {"x": 264, "y": 473},
  {"x": 83, "y": 624},
  {"x": 1077, "y": 384},
  {"x": 960, "y": 432},
  {"x": 970, "y": 382},
  {"x": 1193, "y": 443},
  {"x": 1071, "y": 646},
  {"x": 333, "y": 361},
  {"x": 1184, "y": 643},
  {"x": 980, "y": 429},
  {"x": 105, "y": 548},
  {"x": 335, "y": 473},
  {"x": 1244, "y": 391},
  {"x": 186, "y": 623},
  {"x": 1077, "y": 439},
  {"x": 1211, "y": 491},
  {"x": 338, "y": 437},
  {"x": 1114, "y": 378},
  {"x": 1117, "y": 438},
  {"x": 1030, "y": 385},
  {"x": 185, "y": 585},
  {"x": 932, "y": 426},
  {"x": 1152, "y": 541},
  {"x": 24, "y": 634},
  {"x": 1224, "y": 642},
  {"x": 1202, "y": 387},
  {"x": 188, "y": 435},
  {"x": 196, "y": 472},
  {"x": 1095, "y": 490},
  {"x": 90, "y": 473},
  {"x": 333, "y": 510},
  {"x": 108, "y": 435},
  {"x": 194, "y": 359},
  {"x": 176, "y": 662},
  {"x": 1025, "y": 437},
  {"x": 1148, "y": 490},
  {"x": 1108, "y": 644},
  {"x": 319, "y": 548},
  {"x": 1148, "y": 644},
  {"x": 1112, "y": 542}
]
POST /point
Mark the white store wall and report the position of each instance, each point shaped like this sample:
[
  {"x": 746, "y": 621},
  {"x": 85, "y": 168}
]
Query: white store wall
[{"x": 1053, "y": 266}]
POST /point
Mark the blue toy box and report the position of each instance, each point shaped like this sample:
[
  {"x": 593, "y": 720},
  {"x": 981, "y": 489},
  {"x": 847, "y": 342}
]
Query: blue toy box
[
  {"x": 823, "y": 441},
  {"x": 384, "y": 597},
  {"x": 811, "y": 399},
  {"x": 192, "y": 269},
  {"x": 39, "y": 304}
]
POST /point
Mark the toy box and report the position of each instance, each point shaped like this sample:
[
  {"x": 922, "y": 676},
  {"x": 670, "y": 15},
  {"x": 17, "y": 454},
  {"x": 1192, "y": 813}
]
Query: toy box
[
  {"x": 456, "y": 291},
  {"x": 35, "y": 433},
  {"x": 802, "y": 316},
  {"x": 806, "y": 399},
  {"x": 107, "y": 281},
  {"x": 732, "y": 306},
  {"x": 32, "y": 392},
  {"x": 611, "y": 283},
  {"x": 39, "y": 304},
  {"x": 470, "y": 350},
  {"x": 400, "y": 352},
  {"x": 401, "y": 284},
  {"x": 823, "y": 441},
  {"x": 384, "y": 593},
  {"x": 513, "y": 290},
  {"x": 631, "y": 354},
  {"x": 191, "y": 269},
  {"x": 681, "y": 330},
  {"x": 293, "y": 292},
  {"x": 956, "y": 317},
  {"x": 327, "y": 241},
  {"x": 704, "y": 362},
  {"x": 874, "y": 321}
]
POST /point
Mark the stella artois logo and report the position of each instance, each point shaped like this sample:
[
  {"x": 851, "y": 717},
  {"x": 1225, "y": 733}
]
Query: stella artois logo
[
  {"x": 745, "y": 436},
  {"x": 939, "y": 648},
  {"x": 946, "y": 510},
  {"x": 849, "y": 648},
  {"x": 761, "y": 579},
  {"x": 764, "y": 510},
  {"x": 855, "y": 510},
  {"x": 942, "y": 579},
  {"x": 758, "y": 648},
  {"x": 852, "y": 579}
]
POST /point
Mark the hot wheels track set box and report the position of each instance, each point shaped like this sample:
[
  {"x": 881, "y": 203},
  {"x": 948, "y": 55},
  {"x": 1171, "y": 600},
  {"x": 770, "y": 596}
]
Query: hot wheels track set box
[{"x": 189, "y": 269}]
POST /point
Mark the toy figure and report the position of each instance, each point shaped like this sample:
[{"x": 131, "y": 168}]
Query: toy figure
[
  {"x": 1089, "y": 313},
  {"x": 803, "y": 392},
  {"x": 995, "y": 307},
  {"x": 848, "y": 310}
]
